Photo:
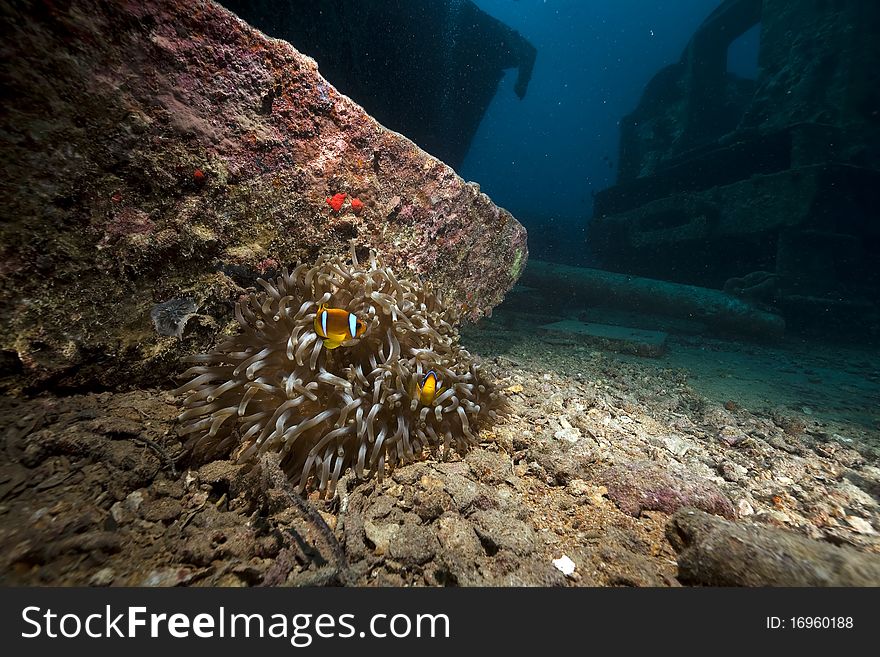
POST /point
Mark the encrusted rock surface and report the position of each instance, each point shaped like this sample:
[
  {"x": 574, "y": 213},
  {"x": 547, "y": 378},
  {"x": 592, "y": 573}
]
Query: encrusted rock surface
[
  {"x": 159, "y": 156},
  {"x": 644, "y": 485},
  {"x": 713, "y": 552}
]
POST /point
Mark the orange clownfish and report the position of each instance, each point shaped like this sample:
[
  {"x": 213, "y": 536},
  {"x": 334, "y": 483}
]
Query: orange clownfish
[
  {"x": 429, "y": 387},
  {"x": 336, "y": 326}
]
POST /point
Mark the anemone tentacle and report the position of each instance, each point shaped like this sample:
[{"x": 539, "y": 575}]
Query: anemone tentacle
[{"x": 275, "y": 387}]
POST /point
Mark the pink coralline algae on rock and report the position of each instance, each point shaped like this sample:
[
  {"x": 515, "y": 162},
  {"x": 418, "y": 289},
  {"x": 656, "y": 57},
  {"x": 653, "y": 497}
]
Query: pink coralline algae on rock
[
  {"x": 161, "y": 150},
  {"x": 647, "y": 486}
]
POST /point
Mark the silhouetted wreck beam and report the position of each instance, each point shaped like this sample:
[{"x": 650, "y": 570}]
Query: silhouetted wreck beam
[
  {"x": 714, "y": 308},
  {"x": 425, "y": 68},
  {"x": 706, "y": 59}
]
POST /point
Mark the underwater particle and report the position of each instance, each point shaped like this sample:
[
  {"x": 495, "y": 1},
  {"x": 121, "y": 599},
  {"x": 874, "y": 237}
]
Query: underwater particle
[
  {"x": 170, "y": 317},
  {"x": 357, "y": 205},
  {"x": 276, "y": 387},
  {"x": 336, "y": 201},
  {"x": 199, "y": 176}
]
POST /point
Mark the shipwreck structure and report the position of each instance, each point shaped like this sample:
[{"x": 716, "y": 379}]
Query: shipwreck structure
[
  {"x": 425, "y": 68},
  {"x": 767, "y": 188}
]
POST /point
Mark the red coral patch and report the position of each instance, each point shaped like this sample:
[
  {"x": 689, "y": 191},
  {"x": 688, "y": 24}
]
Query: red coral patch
[{"x": 336, "y": 201}]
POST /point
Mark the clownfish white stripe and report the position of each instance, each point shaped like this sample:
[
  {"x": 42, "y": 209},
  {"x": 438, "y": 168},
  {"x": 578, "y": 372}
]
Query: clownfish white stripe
[
  {"x": 324, "y": 323},
  {"x": 352, "y": 324}
]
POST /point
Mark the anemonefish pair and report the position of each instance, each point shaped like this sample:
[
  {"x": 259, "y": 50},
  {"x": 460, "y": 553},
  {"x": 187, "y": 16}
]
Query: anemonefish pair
[{"x": 336, "y": 326}]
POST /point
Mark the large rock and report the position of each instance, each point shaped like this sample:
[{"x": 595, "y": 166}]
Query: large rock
[
  {"x": 160, "y": 155},
  {"x": 714, "y": 552},
  {"x": 647, "y": 486}
]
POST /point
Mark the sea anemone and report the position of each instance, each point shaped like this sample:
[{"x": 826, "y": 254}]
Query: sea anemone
[{"x": 275, "y": 386}]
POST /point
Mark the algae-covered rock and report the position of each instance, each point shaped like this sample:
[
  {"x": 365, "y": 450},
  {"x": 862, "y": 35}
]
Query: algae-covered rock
[
  {"x": 714, "y": 552},
  {"x": 160, "y": 156},
  {"x": 646, "y": 486}
]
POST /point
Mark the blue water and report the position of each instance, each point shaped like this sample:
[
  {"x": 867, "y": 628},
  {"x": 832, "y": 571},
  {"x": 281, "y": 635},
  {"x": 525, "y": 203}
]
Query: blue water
[{"x": 545, "y": 156}]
